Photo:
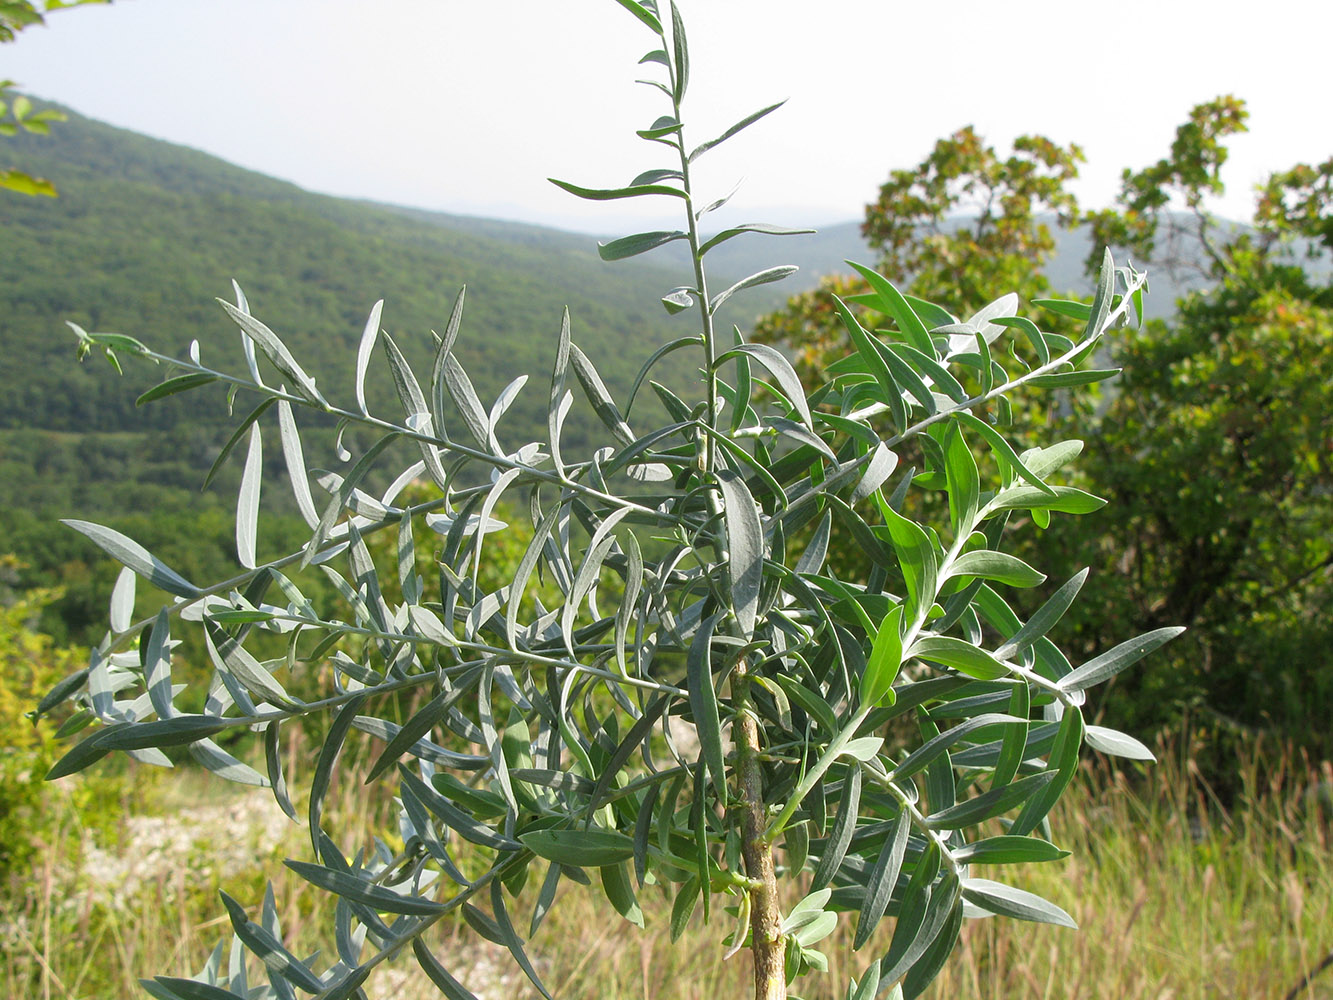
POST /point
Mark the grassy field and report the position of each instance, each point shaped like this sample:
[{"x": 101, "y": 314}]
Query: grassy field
[{"x": 1176, "y": 897}]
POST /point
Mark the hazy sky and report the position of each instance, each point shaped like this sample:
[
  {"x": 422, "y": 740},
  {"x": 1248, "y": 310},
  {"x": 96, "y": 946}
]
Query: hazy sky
[{"x": 468, "y": 105}]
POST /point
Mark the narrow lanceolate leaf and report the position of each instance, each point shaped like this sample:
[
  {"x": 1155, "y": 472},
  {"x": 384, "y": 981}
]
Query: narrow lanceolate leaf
[
  {"x": 235, "y": 439},
  {"x": 1004, "y": 452},
  {"x": 1008, "y": 851},
  {"x": 704, "y": 147},
  {"x": 247, "y": 500},
  {"x": 745, "y": 545},
  {"x": 682, "y": 54},
  {"x": 998, "y": 566},
  {"x": 1060, "y": 380},
  {"x": 909, "y": 323},
  {"x": 843, "y": 827},
  {"x": 1045, "y": 618},
  {"x": 1113, "y": 661},
  {"x": 1101, "y": 301},
  {"x": 294, "y": 455},
  {"x": 457, "y": 819},
  {"x": 988, "y": 804},
  {"x": 916, "y": 558},
  {"x": 1063, "y": 761},
  {"x": 883, "y": 878},
  {"x": 760, "y": 228},
  {"x": 1010, "y": 902},
  {"x": 276, "y": 352},
  {"x": 886, "y": 657},
  {"x": 363, "y": 352},
  {"x": 509, "y": 938},
  {"x": 929, "y": 751},
  {"x": 959, "y": 654},
  {"x": 964, "y": 484},
  {"x": 642, "y": 13},
  {"x": 764, "y": 277},
  {"x": 611, "y": 194},
  {"x": 328, "y": 757},
  {"x": 1065, "y": 307},
  {"x": 703, "y": 703},
  {"x": 881, "y": 466},
  {"x": 348, "y": 886},
  {"x": 632, "y": 246},
  {"x": 231, "y": 656},
  {"x": 157, "y": 665},
  {"x": 133, "y": 555},
  {"x": 469, "y": 405},
  {"x": 273, "y": 761},
  {"x": 269, "y": 949},
  {"x": 122, "y": 600},
  {"x": 450, "y": 987},
  {"x": 414, "y": 408},
  {"x": 171, "y": 386},
  {"x": 581, "y": 848},
  {"x": 559, "y": 400},
  {"x": 781, "y": 370},
  {"x": 597, "y": 394},
  {"x": 1117, "y": 744}
]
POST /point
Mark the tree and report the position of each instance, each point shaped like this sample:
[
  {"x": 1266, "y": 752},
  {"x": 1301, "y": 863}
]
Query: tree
[
  {"x": 1213, "y": 446},
  {"x": 16, "y": 110},
  {"x": 870, "y": 723}
]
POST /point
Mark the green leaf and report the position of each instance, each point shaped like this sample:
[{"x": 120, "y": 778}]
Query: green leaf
[
  {"x": 835, "y": 848},
  {"x": 376, "y": 897},
  {"x": 1110, "y": 663},
  {"x": 171, "y": 386},
  {"x": 781, "y": 370},
  {"x": 1117, "y": 744},
  {"x": 916, "y": 559},
  {"x": 632, "y": 246},
  {"x": 328, "y": 757},
  {"x": 892, "y": 395},
  {"x": 1007, "y": 851},
  {"x": 247, "y": 500},
  {"x": 1063, "y": 761},
  {"x": 1065, "y": 307},
  {"x": 266, "y": 945},
  {"x": 682, "y": 53},
  {"x": 764, "y": 277},
  {"x": 813, "y": 705},
  {"x": 276, "y": 352},
  {"x": 894, "y": 304},
  {"x": 753, "y": 227},
  {"x": 294, "y": 455},
  {"x": 883, "y": 878},
  {"x": 616, "y": 885},
  {"x": 1010, "y": 902},
  {"x": 235, "y": 438},
  {"x": 704, "y": 147},
  {"x": 703, "y": 703},
  {"x": 1045, "y": 618},
  {"x": 1065, "y": 499},
  {"x": 1061, "y": 380},
  {"x": 450, "y": 987},
  {"x": 364, "y": 350},
  {"x": 510, "y": 938},
  {"x": 1004, "y": 452},
  {"x": 229, "y": 655},
  {"x": 682, "y": 907},
  {"x": 1101, "y": 301},
  {"x": 612, "y": 194},
  {"x": 273, "y": 761},
  {"x": 185, "y": 989},
  {"x": 745, "y": 545},
  {"x": 990, "y": 803},
  {"x": 937, "y": 745},
  {"x": 886, "y": 656},
  {"x": 597, "y": 394},
  {"x": 1001, "y": 567},
  {"x": 591, "y": 848},
  {"x": 642, "y": 13},
  {"x": 130, "y": 553},
  {"x": 960, "y": 470},
  {"x": 959, "y": 654}
]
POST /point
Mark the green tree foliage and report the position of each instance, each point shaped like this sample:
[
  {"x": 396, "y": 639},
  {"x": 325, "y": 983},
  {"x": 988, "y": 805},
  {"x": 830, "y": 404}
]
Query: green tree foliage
[
  {"x": 16, "y": 111},
  {"x": 859, "y": 743},
  {"x": 1214, "y": 447}
]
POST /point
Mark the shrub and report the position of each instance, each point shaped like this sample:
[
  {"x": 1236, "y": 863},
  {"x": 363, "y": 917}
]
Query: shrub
[{"x": 689, "y": 569}]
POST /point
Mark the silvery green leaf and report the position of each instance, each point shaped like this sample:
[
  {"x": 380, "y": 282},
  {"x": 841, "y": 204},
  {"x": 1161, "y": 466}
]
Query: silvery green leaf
[
  {"x": 745, "y": 545},
  {"x": 1007, "y": 851},
  {"x": 1117, "y": 744},
  {"x": 340, "y": 498},
  {"x": 597, "y": 394},
  {"x": 632, "y": 246},
  {"x": 1110, "y": 663},
  {"x": 277, "y": 353},
  {"x": 417, "y": 414},
  {"x": 181, "y": 383},
  {"x": 1016, "y": 903},
  {"x": 247, "y": 500},
  {"x": 678, "y": 299},
  {"x": 510, "y": 939},
  {"x": 630, "y": 598},
  {"x": 273, "y": 760},
  {"x": 502, "y": 403},
  {"x": 835, "y": 849},
  {"x": 175, "y": 988},
  {"x": 363, "y": 352},
  {"x": 236, "y": 660},
  {"x": 270, "y": 950},
  {"x": 448, "y": 986},
  {"x": 1045, "y": 618},
  {"x": 463, "y": 394},
  {"x": 880, "y": 468},
  {"x": 328, "y": 757},
  {"x": 133, "y": 555},
  {"x": 157, "y": 665},
  {"x": 293, "y": 454},
  {"x": 990, "y": 803},
  {"x": 484, "y": 517},
  {"x": 987, "y": 564},
  {"x": 235, "y": 438},
  {"x": 764, "y": 277},
  {"x": 376, "y": 897},
  {"x": 703, "y": 703},
  {"x": 613, "y": 194},
  {"x": 704, "y": 147},
  {"x": 122, "y": 600},
  {"x": 883, "y": 878},
  {"x": 216, "y": 760}
]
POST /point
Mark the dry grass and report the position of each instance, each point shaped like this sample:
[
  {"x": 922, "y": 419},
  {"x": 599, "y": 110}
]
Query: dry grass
[{"x": 1176, "y": 897}]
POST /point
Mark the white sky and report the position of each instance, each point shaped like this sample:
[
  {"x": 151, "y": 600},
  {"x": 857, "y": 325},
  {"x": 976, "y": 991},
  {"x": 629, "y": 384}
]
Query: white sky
[{"x": 468, "y": 105}]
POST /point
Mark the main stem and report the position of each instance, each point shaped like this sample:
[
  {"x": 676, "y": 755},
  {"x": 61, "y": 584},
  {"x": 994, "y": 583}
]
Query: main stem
[{"x": 766, "y": 942}]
